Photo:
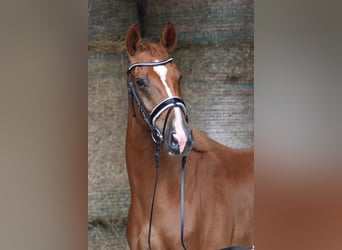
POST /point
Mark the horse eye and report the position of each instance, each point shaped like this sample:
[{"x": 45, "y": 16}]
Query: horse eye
[{"x": 140, "y": 82}]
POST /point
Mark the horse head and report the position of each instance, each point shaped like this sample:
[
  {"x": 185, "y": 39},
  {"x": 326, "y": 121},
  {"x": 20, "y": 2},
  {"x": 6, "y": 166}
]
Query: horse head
[{"x": 155, "y": 83}]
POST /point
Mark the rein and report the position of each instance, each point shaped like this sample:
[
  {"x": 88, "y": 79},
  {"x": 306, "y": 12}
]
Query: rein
[{"x": 157, "y": 135}]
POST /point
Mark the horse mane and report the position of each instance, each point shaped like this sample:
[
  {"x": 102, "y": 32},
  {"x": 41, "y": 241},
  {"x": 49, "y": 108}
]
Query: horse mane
[{"x": 202, "y": 141}]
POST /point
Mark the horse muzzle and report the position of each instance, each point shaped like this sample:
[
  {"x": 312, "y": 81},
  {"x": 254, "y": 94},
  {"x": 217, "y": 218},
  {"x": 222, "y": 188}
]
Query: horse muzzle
[
  {"x": 179, "y": 142},
  {"x": 176, "y": 134}
]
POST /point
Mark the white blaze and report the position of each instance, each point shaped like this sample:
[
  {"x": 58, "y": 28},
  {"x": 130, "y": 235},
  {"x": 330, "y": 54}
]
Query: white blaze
[
  {"x": 161, "y": 70},
  {"x": 180, "y": 134}
]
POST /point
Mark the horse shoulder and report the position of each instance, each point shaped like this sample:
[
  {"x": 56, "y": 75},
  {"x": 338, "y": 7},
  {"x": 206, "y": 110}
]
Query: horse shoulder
[
  {"x": 233, "y": 161},
  {"x": 231, "y": 168},
  {"x": 223, "y": 166},
  {"x": 227, "y": 180}
]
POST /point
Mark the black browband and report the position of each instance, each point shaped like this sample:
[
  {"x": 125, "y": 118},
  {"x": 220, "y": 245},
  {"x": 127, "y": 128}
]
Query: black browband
[
  {"x": 148, "y": 64},
  {"x": 150, "y": 119}
]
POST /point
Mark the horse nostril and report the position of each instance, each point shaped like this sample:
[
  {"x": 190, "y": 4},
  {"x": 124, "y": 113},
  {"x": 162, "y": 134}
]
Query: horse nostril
[
  {"x": 174, "y": 142},
  {"x": 191, "y": 138}
]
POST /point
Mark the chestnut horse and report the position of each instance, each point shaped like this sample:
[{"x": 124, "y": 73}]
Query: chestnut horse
[{"x": 203, "y": 203}]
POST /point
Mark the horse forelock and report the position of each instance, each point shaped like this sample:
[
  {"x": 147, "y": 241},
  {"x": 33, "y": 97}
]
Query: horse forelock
[{"x": 148, "y": 52}]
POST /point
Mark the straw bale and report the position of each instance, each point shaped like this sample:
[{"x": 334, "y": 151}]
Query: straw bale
[
  {"x": 106, "y": 205},
  {"x": 217, "y": 63},
  {"x": 110, "y": 19},
  {"x": 107, "y": 114},
  {"x": 98, "y": 46},
  {"x": 108, "y": 190},
  {"x": 108, "y": 235},
  {"x": 200, "y": 21}
]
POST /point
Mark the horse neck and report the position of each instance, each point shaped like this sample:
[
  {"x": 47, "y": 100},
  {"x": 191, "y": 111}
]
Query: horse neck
[
  {"x": 140, "y": 159},
  {"x": 138, "y": 137},
  {"x": 140, "y": 150}
]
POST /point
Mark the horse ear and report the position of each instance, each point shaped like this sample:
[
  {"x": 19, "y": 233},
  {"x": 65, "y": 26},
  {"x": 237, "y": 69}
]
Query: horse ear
[
  {"x": 169, "y": 39},
  {"x": 133, "y": 39}
]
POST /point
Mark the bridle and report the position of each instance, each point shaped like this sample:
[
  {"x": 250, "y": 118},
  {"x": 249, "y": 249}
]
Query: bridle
[
  {"x": 157, "y": 135},
  {"x": 166, "y": 104}
]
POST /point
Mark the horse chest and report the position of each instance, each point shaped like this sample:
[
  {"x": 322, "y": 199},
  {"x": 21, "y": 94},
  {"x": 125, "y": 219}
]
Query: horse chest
[
  {"x": 162, "y": 237},
  {"x": 165, "y": 232},
  {"x": 203, "y": 229}
]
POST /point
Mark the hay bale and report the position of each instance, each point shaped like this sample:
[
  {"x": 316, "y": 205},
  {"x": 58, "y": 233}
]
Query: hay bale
[
  {"x": 107, "y": 235},
  {"x": 200, "y": 21},
  {"x": 107, "y": 114},
  {"x": 110, "y": 19},
  {"x": 224, "y": 111},
  {"x": 108, "y": 205},
  {"x": 108, "y": 189},
  {"x": 218, "y": 88},
  {"x": 217, "y": 63}
]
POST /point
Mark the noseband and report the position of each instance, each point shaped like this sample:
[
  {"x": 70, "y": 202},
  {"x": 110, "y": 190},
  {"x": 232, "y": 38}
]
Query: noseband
[{"x": 166, "y": 104}]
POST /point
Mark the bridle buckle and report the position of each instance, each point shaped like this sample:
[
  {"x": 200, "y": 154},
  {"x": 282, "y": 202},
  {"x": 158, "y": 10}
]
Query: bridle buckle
[{"x": 157, "y": 137}]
